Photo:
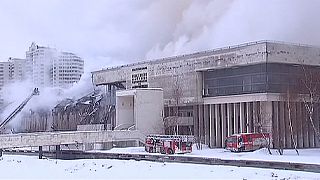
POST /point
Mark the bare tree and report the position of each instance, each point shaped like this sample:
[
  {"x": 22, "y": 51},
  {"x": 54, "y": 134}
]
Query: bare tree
[
  {"x": 260, "y": 128},
  {"x": 289, "y": 98},
  {"x": 265, "y": 138},
  {"x": 311, "y": 87},
  {"x": 171, "y": 122}
]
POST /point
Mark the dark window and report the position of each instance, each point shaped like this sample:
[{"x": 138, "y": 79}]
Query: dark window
[{"x": 258, "y": 78}]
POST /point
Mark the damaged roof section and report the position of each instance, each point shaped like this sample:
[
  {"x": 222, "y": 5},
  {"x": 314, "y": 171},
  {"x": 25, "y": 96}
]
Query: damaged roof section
[{"x": 89, "y": 109}]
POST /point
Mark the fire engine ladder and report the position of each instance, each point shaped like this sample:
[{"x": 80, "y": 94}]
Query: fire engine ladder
[{"x": 19, "y": 108}]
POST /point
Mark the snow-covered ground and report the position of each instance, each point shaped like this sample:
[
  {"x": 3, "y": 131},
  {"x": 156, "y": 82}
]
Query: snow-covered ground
[
  {"x": 311, "y": 156},
  {"x": 30, "y": 167}
]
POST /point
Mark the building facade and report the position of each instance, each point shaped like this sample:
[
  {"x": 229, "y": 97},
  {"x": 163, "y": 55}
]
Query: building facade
[
  {"x": 51, "y": 68},
  {"x": 238, "y": 89},
  {"x": 21, "y": 69},
  {"x": 5, "y": 78}
]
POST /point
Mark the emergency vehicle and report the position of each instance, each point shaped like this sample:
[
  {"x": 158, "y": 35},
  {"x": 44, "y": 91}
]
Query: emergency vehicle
[
  {"x": 247, "y": 141},
  {"x": 169, "y": 144}
]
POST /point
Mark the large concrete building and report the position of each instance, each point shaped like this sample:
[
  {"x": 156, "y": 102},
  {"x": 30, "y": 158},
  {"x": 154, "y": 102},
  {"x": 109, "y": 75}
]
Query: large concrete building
[
  {"x": 236, "y": 89},
  {"x": 51, "y": 68}
]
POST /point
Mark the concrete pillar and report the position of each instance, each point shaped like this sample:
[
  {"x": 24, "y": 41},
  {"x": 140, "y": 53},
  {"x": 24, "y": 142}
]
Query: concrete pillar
[
  {"x": 236, "y": 118},
  {"x": 249, "y": 117},
  {"x": 206, "y": 122},
  {"x": 311, "y": 131},
  {"x": 305, "y": 127},
  {"x": 316, "y": 124},
  {"x": 58, "y": 151},
  {"x": 294, "y": 122},
  {"x": 287, "y": 125},
  {"x": 196, "y": 121},
  {"x": 282, "y": 124},
  {"x": 218, "y": 124},
  {"x": 275, "y": 124},
  {"x": 255, "y": 116},
  {"x": 230, "y": 118},
  {"x": 212, "y": 126},
  {"x": 265, "y": 111},
  {"x": 40, "y": 152},
  {"x": 266, "y": 116},
  {"x": 243, "y": 122},
  {"x": 223, "y": 124},
  {"x": 311, "y": 134},
  {"x": 299, "y": 125},
  {"x": 201, "y": 124}
]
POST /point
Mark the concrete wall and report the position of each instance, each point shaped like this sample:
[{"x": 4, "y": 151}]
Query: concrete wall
[
  {"x": 125, "y": 110},
  {"x": 149, "y": 111},
  {"x": 295, "y": 54},
  {"x": 91, "y": 127},
  {"x": 69, "y": 137},
  {"x": 164, "y": 73},
  {"x": 142, "y": 108}
]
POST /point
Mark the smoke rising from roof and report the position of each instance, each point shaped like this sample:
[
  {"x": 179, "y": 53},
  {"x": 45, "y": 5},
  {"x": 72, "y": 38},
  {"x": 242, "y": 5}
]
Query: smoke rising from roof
[
  {"x": 114, "y": 32},
  {"x": 16, "y": 93},
  {"x": 212, "y": 24}
]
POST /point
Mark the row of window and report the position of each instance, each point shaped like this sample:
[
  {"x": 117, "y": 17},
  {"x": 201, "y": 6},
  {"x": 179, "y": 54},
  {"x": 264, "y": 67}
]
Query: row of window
[
  {"x": 139, "y": 68},
  {"x": 258, "y": 78},
  {"x": 138, "y": 78},
  {"x": 141, "y": 86}
]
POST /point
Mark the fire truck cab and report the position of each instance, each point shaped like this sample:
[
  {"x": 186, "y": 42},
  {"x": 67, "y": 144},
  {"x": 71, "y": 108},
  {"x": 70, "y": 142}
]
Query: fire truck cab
[
  {"x": 247, "y": 141},
  {"x": 169, "y": 144}
]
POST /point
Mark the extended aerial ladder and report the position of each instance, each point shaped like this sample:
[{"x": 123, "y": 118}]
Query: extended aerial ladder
[{"x": 19, "y": 108}]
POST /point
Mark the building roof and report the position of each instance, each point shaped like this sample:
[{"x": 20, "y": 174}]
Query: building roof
[{"x": 202, "y": 53}]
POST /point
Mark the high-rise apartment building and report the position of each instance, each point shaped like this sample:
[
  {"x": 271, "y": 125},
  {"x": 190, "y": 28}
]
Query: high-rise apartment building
[
  {"x": 67, "y": 69},
  {"x": 20, "y": 69},
  {"x": 5, "y": 78},
  {"x": 51, "y": 68},
  {"x": 44, "y": 67}
]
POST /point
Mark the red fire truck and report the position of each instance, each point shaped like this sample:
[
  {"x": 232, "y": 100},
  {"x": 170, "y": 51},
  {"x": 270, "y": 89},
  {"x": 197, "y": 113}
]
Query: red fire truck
[
  {"x": 169, "y": 144},
  {"x": 247, "y": 141}
]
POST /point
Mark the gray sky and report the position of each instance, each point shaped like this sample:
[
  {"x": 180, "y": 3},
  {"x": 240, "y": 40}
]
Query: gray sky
[{"x": 112, "y": 32}]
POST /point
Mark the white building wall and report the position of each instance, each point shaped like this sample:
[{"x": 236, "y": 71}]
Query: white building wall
[
  {"x": 125, "y": 110},
  {"x": 52, "y": 68},
  {"x": 21, "y": 69},
  {"x": 149, "y": 111},
  {"x": 142, "y": 108},
  {"x": 68, "y": 69},
  {"x": 5, "y": 78},
  {"x": 41, "y": 58},
  {"x": 181, "y": 71}
]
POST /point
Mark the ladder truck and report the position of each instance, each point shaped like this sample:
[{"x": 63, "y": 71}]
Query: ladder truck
[{"x": 18, "y": 109}]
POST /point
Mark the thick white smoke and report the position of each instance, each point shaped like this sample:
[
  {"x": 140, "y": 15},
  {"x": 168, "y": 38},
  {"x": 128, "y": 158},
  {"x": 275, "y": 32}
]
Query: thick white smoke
[
  {"x": 114, "y": 32},
  {"x": 218, "y": 23},
  {"x": 48, "y": 98},
  {"x": 108, "y": 32}
]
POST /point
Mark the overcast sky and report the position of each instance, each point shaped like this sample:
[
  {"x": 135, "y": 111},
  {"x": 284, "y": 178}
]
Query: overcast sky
[{"x": 112, "y": 32}]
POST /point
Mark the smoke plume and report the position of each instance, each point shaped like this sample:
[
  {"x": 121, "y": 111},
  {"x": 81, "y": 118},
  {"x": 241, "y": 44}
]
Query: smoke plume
[{"x": 114, "y": 32}]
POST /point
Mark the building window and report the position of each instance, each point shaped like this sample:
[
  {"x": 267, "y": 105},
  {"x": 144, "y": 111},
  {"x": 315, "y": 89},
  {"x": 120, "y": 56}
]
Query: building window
[{"x": 258, "y": 78}]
